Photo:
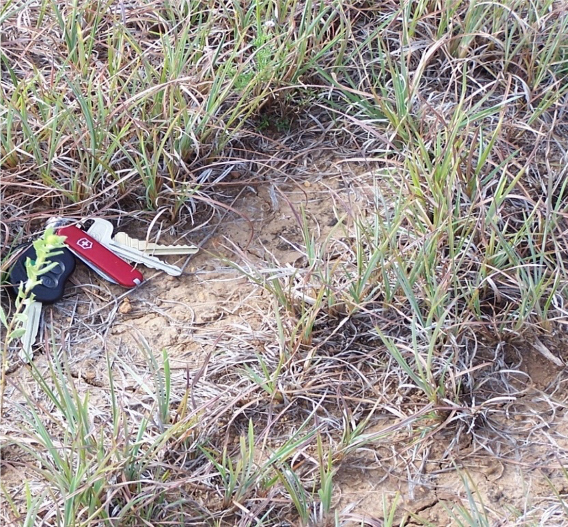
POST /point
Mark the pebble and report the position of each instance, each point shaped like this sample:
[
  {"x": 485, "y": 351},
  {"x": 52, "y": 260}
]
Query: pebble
[{"x": 125, "y": 307}]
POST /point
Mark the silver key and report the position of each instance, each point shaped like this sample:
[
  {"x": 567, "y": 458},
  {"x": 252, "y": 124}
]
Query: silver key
[
  {"x": 33, "y": 314},
  {"x": 153, "y": 248},
  {"x": 101, "y": 230}
]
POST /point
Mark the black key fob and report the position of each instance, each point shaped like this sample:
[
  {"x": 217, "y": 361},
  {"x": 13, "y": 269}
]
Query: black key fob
[{"x": 53, "y": 282}]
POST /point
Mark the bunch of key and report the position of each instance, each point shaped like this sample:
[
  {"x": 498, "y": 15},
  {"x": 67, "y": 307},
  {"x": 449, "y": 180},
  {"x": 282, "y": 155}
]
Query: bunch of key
[{"x": 107, "y": 255}]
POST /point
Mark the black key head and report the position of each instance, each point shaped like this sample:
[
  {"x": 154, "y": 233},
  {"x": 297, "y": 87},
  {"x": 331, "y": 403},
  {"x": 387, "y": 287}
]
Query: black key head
[{"x": 53, "y": 282}]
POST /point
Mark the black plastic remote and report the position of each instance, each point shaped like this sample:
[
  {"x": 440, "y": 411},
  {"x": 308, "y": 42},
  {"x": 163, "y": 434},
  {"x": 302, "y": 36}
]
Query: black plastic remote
[{"x": 53, "y": 282}]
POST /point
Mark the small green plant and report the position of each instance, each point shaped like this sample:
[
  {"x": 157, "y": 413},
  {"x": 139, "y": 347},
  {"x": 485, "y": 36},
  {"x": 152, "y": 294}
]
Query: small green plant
[
  {"x": 475, "y": 513},
  {"x": 266, "y": 379},
  {"x": 46, "y": 247},
  {"x": 240, "y": 476},
  {"x": 326, "y": 473}
]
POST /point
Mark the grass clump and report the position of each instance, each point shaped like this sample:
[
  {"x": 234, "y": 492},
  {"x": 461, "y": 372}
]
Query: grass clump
[
  {"x": 171, "y": 92},
  {"x": 401, "y": 339}
]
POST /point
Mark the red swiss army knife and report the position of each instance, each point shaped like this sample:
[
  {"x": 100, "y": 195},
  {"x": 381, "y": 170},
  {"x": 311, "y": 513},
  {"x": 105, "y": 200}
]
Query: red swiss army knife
[{"x": 99, "y": 258}]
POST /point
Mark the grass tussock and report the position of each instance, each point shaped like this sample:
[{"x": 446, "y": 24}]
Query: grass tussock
[{"x": 389, "y": 346}]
